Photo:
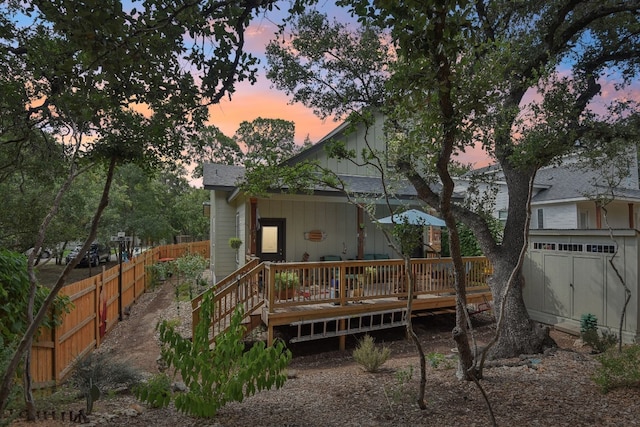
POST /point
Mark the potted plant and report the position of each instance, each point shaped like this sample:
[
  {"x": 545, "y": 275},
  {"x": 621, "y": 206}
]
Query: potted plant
[
  {"x": 235, "y": 243},
  {"x": 285, "y": 284},
  {"x": 370, "y": 273}
]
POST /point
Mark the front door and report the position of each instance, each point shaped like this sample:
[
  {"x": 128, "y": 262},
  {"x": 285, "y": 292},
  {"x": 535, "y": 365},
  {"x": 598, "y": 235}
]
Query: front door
[{"x": 271, "y": 239}]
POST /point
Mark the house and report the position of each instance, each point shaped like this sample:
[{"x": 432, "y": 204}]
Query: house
[
  {"x": 285, "y": 227},
  {"x": 583, "y": 243},
  {"x": 570, "y": 195}
]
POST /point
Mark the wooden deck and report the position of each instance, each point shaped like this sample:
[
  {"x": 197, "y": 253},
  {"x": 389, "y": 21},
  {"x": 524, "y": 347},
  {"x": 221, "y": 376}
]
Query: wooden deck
[{"x": 333, "y": 292}]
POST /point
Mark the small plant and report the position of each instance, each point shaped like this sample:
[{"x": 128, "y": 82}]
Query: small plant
[
  {"x": 588, "y": 322},
  {"x": 216, "y": 376},
  {"x": 184, "y": 292},
  {"x": 369, "y": 356},
  {"x": 97, "y": 374},
  {"x": 286, "y": 280},
  {"x": 618, "y": 369},
  {"x": 436, "y": 360},
  {"x": 403, "y": 377},
  {"x": 598, "y": 341},
  {"x": 235, "y": 243},
  {"x": 370, "y": 273},
  {"x": 156, "y": 391},
  {"x": 173, "y": 323}
]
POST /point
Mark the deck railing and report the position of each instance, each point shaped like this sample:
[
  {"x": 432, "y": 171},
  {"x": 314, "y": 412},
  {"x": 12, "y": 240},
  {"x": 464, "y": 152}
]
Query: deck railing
[
  {"x": 239, "y": 288},
  {"x": 336, "y": 282},
  {"x": 352, "y": 281}
]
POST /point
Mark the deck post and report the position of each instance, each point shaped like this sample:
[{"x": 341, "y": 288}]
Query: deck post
[
  {"x": 270, "y": 335},
  {"x": 342, "y": 338},
  {"x": 343, "y": 286}
]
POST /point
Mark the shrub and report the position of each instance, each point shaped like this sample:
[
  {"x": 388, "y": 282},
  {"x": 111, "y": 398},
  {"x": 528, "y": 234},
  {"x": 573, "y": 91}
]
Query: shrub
[
  {"x": 369, "y": 356},
  {"x": 96, "y": 374},
  {"x": 13, "y": 400},
  {"x": 156, "y": 391},
  {"x": 216, "y": 376},
  {"x": 189, "y": 269},
  {"x": 618, "y": 368},
  {"x": 598, "y": 341}
]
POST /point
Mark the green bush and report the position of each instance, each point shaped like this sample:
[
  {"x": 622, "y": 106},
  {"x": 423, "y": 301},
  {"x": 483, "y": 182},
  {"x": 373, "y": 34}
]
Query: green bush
[
  {"x": 215, "y": 376},
  {"x": 14, "y": 293},
  {"x": 97, "y": 374},
  {"x": 156, "y": 391},
  {"x": 286, "y": 280},
  {"x": 369, "y": 356},
  {"x": 618, "y": 369},
  {"x": 598, "y": 341}
]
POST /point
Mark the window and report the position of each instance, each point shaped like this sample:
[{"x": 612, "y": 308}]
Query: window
[
  {"x": 583, "y": 220},
  {"x": 605, "y": 249},
  {"x": 269, "y": 239},
  {"x": 502, "y": 215},
  {"x": 540, "y": 219},
  {"x": 570, "y": 247},
  {"x": 237, "y": 235},
  {"x": 544, "y": 246}
]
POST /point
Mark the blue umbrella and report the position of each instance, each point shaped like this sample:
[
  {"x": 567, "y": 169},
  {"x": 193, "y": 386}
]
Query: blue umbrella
[{"x": 413, "y": 217}]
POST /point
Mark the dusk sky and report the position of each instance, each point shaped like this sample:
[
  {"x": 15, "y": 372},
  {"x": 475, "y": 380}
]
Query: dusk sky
[{"x": 260, "y": 100}]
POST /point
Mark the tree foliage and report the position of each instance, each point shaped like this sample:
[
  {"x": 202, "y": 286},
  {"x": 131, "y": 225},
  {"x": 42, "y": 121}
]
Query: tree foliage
[
  {"x": 522, "y": 81},
  {"x": 14, "y": 291},
  {"x": 327, "y": 55},
  {"x": 110, "y": 85},
  {"x": 213, "y": 146},
  {"x": 220, "y": 375},
  {"x": 269, "y": 144}
]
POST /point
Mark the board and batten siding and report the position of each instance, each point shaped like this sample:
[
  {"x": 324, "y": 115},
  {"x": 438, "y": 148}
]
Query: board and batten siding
[
  {"x": 564, "y": 216},
  {"x": 355, "y": 139},
  {"x": 223, "y": 227},
  {"x": 564, "y": 280},
  {"x": 333, "y": 216}
]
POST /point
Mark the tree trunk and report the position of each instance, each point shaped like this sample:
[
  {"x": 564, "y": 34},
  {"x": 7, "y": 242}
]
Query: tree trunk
[
  {"x": 32, "y": 327},
  {"x": 29, "y": 402},
  {"x": 520, "y": 334},
  {"x": 412, "y": 335}
]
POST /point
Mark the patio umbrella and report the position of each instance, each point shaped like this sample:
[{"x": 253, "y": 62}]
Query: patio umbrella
[{"x": 414, "y": 217}]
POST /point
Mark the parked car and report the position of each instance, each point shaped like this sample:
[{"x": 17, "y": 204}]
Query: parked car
[{"x": 96, "y": 254}]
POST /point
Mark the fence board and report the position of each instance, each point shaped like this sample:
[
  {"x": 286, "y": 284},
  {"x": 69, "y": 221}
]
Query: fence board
[{"x": 55, "y": 352}]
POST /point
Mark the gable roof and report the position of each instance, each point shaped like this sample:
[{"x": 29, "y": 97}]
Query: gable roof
[
  {"x": 227, "y": 178},
  {"x": 221, "y": 177},
  {"x": 318, "y": 146},
  {"x": 570, "y": 183}
]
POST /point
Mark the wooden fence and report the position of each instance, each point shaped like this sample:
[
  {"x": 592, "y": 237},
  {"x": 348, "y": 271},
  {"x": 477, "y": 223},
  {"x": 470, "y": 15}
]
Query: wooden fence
[{"x": 55, "y": 351}]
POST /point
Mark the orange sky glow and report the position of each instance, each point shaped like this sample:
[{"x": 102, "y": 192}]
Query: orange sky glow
[{"x": 260, "y": 100}]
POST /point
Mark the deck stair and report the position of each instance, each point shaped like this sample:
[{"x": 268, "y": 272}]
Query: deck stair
[{"x": 308, "y": 330}]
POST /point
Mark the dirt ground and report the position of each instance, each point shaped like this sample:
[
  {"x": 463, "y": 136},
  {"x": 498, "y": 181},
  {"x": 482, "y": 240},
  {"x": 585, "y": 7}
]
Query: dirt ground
[
  {"x": 48, "y": 272},
  {"x": 327, "y": 388}
]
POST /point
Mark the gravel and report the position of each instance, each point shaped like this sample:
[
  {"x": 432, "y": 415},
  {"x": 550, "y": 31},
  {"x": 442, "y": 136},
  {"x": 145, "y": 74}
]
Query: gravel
[{"x": 327, "y": 388}]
